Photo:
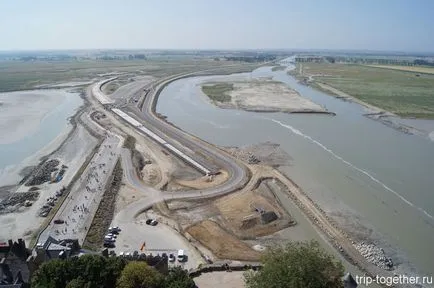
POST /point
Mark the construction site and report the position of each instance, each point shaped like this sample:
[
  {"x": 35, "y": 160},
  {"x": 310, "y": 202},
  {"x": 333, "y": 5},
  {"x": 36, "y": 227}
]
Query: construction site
[{"x": 127, "y": 180}]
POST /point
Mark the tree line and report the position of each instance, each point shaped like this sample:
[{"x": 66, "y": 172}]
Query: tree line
[{"x": 295, "y": 265}]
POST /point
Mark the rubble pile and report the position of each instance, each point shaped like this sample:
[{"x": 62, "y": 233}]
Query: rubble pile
[
  {"x": 245, "y": 156},
  {"x": 43, "y": 173},
  {"x": 375, "y": 255},
  {"x": 17, "y": 200},
  {"x": 266, "y": 153}
]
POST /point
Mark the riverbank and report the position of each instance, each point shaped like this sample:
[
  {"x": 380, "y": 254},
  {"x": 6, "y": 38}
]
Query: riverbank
[
  {"x": 386, "y": 117},
  {"x": 69, "y": 150},
  {"x": 259, "y": 95},
  {"x": 403, "y": 93},
  {"x": 361, "y": 192},
  {"x": 36, "y": 124}
]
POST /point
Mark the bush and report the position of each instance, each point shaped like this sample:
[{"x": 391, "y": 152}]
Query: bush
[{"x": 297, "y": 265}]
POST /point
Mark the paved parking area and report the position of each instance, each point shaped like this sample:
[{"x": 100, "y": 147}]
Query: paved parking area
[
  {"x": 157, "y": 239},
  {"x": 225, "y": 279}
]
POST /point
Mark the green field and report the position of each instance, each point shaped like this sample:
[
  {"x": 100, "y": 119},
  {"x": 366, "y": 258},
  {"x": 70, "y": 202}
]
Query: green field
[
  {"x": 218, "y": 92},
  {"x": 405, "y": 93},
  {"x": 18, "y": 75}
]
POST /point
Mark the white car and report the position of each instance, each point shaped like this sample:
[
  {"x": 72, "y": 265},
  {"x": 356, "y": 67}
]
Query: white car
[
  {"x": 181, "y": 256},
  {"x": 108, "y": 239},
  {"x": 111, "y": 235}
]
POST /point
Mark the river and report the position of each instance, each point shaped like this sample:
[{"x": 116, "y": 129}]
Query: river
[{"x": 373, "y": 180}]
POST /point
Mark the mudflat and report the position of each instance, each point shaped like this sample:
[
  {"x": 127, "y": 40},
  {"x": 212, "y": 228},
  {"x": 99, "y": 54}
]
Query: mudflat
[{"x": 261, "y": 96}]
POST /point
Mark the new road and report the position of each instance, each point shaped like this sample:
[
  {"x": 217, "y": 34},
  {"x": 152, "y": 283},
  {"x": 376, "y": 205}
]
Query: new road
[{"x": 181, "y": 141}]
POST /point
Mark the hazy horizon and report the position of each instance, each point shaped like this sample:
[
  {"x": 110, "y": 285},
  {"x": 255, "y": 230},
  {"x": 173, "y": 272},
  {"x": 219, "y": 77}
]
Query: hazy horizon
[{"x": 398, "y": 26}]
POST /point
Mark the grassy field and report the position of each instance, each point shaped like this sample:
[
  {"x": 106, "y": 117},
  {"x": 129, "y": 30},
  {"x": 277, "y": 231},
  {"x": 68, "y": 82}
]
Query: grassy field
[
  {"x": 17, "y": 75},
  {"x": 218, "y": 92},
  {"x": 405, "y": 93},
  {"x": 417, "y": 69}
]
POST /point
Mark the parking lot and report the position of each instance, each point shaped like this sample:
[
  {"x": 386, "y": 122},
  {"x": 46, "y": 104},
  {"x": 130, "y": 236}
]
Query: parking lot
[
  {"x": 77, "y": 211},
  {"x": 155, "y": 240}
]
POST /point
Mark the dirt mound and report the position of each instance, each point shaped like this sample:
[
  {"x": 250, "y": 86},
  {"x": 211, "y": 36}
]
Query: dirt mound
[{"x": 221, "y": 243}]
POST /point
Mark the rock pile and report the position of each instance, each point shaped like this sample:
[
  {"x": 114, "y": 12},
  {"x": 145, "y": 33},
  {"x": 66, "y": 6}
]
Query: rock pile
[
  {"x": 245, "y": 156},
  {"x": 17, "y": 200},
  {"x": 43, "y": 173},
  {"x": 375, "y": 255}
]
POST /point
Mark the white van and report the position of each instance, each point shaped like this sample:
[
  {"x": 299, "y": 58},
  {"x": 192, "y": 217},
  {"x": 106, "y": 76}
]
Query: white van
[{"x": 181, "y": 255}]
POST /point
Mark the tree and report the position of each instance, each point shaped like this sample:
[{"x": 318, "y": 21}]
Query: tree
[
  {"x": 51, "y": 274},
  {"x": 76, "y": 283},
  {"x": 139, "y": 275},
  {"x": 87, "y": 271},
  {"x": 297, "y": 265},
  {"x": 178, "y": 278}
]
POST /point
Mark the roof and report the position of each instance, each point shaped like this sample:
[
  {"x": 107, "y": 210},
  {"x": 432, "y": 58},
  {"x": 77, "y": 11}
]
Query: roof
[{"x": 57, "y": 247}]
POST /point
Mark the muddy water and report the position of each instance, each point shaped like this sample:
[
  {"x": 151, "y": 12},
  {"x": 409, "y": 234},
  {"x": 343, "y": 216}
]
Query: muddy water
[
  {"x": 375, "y": 181},
  {"x": 43, "y": 135}
]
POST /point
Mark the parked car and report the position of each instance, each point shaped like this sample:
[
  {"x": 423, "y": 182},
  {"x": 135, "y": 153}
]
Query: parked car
[
  {"x": 181, "y": 255},
  {"x": 172, "y": 257},
  {"x": 109, "y": 239},
  {"x": 112, "y": 235},
  {"x": 151, "y": 222},
  {"x": 109, "y": 244},
  {"x": 114, "y": 230},
  {"x": 58, "y": 221}
]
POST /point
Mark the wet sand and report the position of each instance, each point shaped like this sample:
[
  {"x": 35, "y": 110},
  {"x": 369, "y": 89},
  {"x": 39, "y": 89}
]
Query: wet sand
[{"x": 267, "y": 96}]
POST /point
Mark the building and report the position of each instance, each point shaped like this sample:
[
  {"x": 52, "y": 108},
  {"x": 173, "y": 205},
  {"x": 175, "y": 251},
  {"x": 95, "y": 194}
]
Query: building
[
  {"x": 52, "y": 249},
  {"x": 14, "y": 272}
]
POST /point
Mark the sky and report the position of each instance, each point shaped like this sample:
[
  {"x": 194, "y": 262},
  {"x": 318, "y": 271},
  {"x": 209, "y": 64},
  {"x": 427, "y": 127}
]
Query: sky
[{"x": 380, "y": 25}]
